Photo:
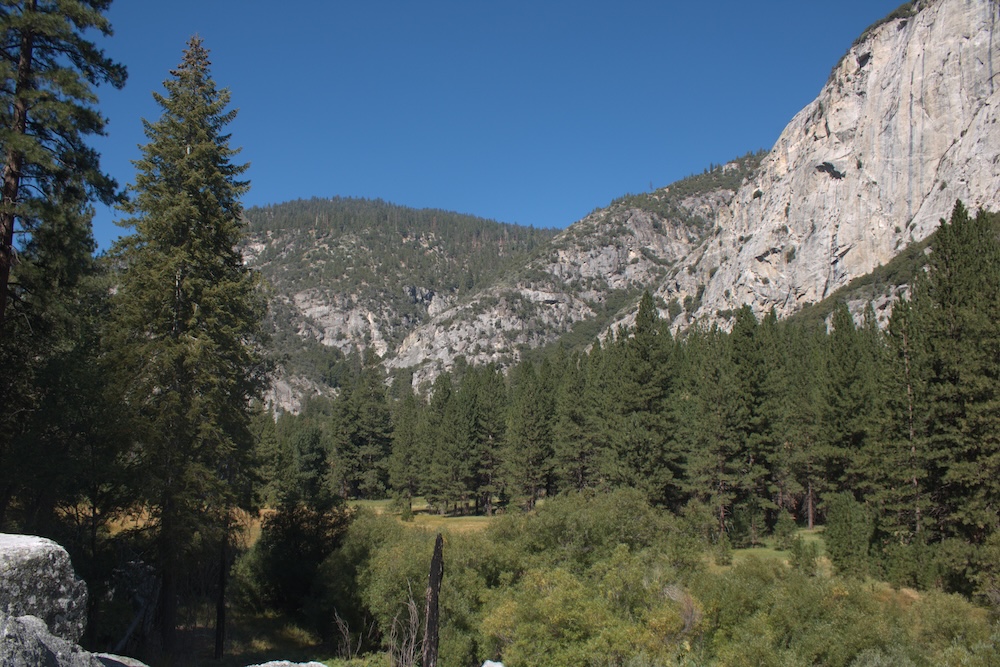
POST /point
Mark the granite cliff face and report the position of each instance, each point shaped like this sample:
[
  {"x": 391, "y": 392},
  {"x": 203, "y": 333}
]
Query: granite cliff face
[{"x": 905, "y": 125}]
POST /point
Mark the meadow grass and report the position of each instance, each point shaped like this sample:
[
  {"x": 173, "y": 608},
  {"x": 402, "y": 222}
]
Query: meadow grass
[
  {"x": 423, "y": 516},
  {"x": 770, "y": 551}
]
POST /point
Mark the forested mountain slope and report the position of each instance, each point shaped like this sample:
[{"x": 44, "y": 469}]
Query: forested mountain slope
[
  {"x": 348, "y": 275},
  {"x": 583, "y": 280},
  {"x": 422, "y": 288}
]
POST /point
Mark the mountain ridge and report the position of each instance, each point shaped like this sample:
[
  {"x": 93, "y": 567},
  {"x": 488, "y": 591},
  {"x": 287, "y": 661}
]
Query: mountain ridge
[{"x": 904, "y": 126}]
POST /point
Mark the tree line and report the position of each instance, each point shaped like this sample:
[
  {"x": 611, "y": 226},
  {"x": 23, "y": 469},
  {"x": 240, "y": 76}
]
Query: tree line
[{"x": 896, "y": 427}]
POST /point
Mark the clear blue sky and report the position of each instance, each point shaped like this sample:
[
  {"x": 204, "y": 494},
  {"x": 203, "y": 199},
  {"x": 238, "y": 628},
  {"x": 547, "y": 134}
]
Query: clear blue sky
[{"x": 526, "y": 111}]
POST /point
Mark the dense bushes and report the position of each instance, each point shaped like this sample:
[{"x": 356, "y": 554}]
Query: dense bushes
[
  {"x": 606, "y": 579},
  {"x": 279, "y": 571}
]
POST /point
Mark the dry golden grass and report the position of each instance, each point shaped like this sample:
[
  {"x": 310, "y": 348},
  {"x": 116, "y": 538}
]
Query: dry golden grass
[
  {"x": 424, "y": 518},
  {"x": 251, "y": 639},
  {"x": 454, "y": 524}
]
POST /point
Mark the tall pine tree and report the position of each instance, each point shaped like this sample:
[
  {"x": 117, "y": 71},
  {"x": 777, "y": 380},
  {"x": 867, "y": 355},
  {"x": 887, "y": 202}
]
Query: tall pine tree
[
  {"x": 528, "y": 452},
  {"x": 49, "y": 69},
  {"x": 187, "y": 330},
  {"x": 639, "y": 456},
  {"x": 958, "y": 305}
]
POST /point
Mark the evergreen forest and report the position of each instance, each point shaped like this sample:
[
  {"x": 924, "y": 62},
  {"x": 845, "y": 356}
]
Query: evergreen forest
[{"x": 820, "y": 490}]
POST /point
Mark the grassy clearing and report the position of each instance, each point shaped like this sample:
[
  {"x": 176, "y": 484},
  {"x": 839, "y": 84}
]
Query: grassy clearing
[
  {"x": 454, "y": 524},
  {"x": 814, "y": 535},
  {"x": 251, "y": 639},
  {"x": 770, "y": 551},
  {"x": 377, "y": 506},
  {"x": 424, "y": 517}
]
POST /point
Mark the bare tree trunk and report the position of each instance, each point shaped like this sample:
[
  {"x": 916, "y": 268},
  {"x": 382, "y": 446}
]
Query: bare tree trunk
[
  {"x": 810, "y": 507},
  {"x": 431, "y": 612},
  {"x": 14, "y": 161},
  {"x": 220, "y": 603}
]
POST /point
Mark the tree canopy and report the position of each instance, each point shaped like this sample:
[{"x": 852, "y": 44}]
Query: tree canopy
[{"x": 49, "y": 68}]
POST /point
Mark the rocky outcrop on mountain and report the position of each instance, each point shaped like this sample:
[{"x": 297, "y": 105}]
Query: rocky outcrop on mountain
[
  {"x": 43, "y": 607},
  {"x": 353, "y": 275},
  {"x": 905, "y": 125},
  {"x": 339, "y": 321},
  {"x": 612, "y": 253}
]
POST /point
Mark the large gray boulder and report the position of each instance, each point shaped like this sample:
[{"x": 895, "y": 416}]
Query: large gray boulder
[
  {"x": 25, "y": 641},
  {"x": 37, "y": 579},
  {"x": 43, "y": 608}
]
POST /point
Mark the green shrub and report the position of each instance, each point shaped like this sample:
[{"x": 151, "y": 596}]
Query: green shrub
[
  {"x": 848, "y": 535},
  {"x": 784, "y": 530},
  {"x": 804, "y": 555},
  {"x": 278, "y": 572},
  {"x": 723, "y": 551}
]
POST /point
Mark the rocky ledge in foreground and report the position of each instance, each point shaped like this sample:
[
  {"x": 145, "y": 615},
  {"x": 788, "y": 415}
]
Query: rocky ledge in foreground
[{"x": 43, "y": 607}]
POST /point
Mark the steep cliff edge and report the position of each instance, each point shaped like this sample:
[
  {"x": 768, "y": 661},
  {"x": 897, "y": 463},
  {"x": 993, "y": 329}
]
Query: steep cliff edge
[{"x": 905, "y": 125}]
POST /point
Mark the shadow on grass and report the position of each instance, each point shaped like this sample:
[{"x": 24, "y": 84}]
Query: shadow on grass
[{"x": 250, "y": 639}]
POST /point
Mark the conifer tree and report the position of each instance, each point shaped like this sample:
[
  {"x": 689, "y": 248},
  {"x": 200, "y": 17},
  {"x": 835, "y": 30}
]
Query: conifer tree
[
  {"x": 958, "y": 305},
  {"x": 898, "y": 463},
  {"x": 49, "y": 69},
  {"x": 56, "y": 445},
  {"x": 270, "y": 456},
  {"x": 431, "y": 428},
  {"x": 598, "y": 413},
  {"x": 486, "y": 391},
  {"x": 754, "y": 347},
  {"x": 850, "y": 398},
  {"x": 452, "y": 464},
  {"x": 365, "y": 438},
  {"x": 528, "y": 451},
  {"x": 710, "y": 410},
  {"x": 574, "y": 455},
  {"x": 800, "y": 421},
  {"x": 187, "y": 320},
  {"x": 641, "y": 385},
  {"x": 403, "y": 470}
]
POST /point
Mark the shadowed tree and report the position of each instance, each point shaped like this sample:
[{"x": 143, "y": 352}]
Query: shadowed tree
[{"x": 49, "y": 69}]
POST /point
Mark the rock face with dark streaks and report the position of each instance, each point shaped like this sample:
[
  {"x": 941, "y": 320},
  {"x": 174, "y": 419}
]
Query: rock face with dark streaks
[{"x": 906, "y": 124}]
